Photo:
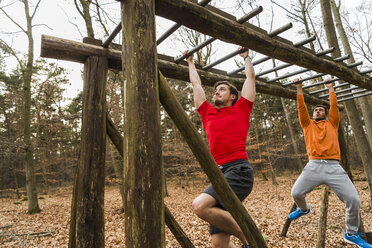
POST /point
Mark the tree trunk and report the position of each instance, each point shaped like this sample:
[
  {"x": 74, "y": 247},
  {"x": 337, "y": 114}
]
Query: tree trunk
[
  {"x": 85, "y": 13},
  {"x": 292, "y": 136},
  {"x": 306, "y": 24},
  {"x": 143, "y": 169},
  {"x": 289, "y": 123},
  {"x": 91, "y": 166},
  {"x": 351, "y": 110},
  {"x": 343, "y": 147},
  {"x": 361, "y": 142},
  {"x": 33, "y": 205},
  {"x": 363, "y": 101}
]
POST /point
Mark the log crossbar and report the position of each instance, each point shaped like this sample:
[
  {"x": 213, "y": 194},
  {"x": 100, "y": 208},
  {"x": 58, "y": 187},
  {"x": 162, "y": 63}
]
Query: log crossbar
[
  {"x": 272, "y": 34},
  {"x": 58, "y": 48},
  {"x": 353, "y": 97},
  {"x": 280, "y": 67},
  {"x": 243, "y": 19},
  {"x": 176, "y": 26},
  {"x": 320, "y": 75},
  {"x": 336, "y": 86},
  {"x": 340, "y": 91},
  {"x": 205, "y": 21},
  {"x": 352, "y": 93}
]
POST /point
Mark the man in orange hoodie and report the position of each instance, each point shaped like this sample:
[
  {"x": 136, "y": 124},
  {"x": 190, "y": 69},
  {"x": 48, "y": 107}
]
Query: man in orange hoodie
[{"x": 323, "y": 167}]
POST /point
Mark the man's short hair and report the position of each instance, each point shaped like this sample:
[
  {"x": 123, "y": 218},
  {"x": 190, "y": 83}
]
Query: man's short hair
[
  {"x": 322, "y": 106},
  {"x": 232, "y": 89}
]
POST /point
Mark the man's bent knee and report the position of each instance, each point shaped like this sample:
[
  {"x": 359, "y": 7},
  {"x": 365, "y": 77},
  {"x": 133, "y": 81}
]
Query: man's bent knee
[
  {"x": 353, "y": 202},
  {"x": 201, "y": 203}
]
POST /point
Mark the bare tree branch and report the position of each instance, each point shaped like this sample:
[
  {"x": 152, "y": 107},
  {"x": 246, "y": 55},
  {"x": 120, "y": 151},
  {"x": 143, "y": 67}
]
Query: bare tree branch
[
  {"x": 12, "y": 20},
  {"x": 42, "y": 24},
  {"x": 78, "y": 9},
  {"x": 8, "y": 49},
  {"x": 100, "y": 19},
  {"x": 36, "y": 7},
  {"x": 289, "y": 12}
]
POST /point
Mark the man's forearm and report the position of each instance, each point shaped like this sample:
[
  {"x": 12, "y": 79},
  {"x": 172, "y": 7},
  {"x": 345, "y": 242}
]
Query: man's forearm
[
  {"x": 300, "y": 91},
  {"x": 331, "y": 89},
  {"x": 194, "y": 76},
  {"x": 249, "y": 70},
  {"x": 249, "y": 86}
]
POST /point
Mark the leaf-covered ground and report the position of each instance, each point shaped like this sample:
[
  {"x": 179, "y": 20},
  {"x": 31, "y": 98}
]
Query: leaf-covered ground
[{"x": 268, "y": 205}]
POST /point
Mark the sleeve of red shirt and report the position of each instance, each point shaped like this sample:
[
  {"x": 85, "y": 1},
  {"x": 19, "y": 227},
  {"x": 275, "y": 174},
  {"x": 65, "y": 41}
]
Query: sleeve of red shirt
[
  {"x": 203, "y": 109},
  {"x": 245, "y": 105}
]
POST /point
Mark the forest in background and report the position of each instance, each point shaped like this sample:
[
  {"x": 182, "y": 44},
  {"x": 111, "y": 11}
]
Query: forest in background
[{"x": 36, "y": 118}]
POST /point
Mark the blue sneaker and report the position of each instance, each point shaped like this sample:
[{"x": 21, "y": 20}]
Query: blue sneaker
[
  {"x": 355, "y": 239},
  {"x": 298, "y": 213}
]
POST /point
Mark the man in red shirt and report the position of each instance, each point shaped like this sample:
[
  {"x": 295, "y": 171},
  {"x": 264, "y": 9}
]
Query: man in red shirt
[{"x": 226, "y": 126}]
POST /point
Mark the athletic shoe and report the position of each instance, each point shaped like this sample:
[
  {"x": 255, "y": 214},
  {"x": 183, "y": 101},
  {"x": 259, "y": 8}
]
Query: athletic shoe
[
  {"x": 355, "y": 239},
  {"x": 298, "y": 213}
]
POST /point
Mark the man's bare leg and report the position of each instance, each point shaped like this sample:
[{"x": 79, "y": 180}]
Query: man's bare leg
[
  {"x": 222, "y": 240},
  {"x": 205, "y": 208}
]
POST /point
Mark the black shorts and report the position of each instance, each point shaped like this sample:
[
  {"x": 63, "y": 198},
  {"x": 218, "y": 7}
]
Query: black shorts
[{"x": 239, "y": 175}]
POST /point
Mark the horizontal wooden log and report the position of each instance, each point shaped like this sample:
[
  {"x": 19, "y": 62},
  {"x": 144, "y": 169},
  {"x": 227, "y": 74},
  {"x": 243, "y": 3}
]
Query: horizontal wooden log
[
  {"x": 58, "y": 48},
  {"x": 208, "y": 164},
  {"x": 205, "y": 21}
]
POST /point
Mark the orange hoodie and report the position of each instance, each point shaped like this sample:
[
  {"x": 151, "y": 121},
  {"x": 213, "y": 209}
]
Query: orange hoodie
[{"x": 320, "y": 136}]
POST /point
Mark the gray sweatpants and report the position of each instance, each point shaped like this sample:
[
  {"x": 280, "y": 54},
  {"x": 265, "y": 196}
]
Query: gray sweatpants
[{"x": 330, "y": 173}]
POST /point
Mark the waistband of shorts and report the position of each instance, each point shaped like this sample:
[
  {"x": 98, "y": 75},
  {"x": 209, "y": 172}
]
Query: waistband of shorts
[
  {"x": 326, "y": 161},
  {"x": 233, "y": 163}
]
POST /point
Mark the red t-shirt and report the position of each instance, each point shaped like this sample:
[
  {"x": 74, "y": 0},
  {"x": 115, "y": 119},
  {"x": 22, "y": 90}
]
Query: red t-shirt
[{"x": 227, "y": 129}]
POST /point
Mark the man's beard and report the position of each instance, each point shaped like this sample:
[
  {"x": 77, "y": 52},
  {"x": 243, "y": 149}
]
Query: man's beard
[
  {"x": 320, "y": 118},
  {"x": 218, "y": 103}
]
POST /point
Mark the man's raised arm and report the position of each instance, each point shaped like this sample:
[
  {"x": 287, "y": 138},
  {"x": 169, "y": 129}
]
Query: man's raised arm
[
  {"x": 249, "y": 86},
  {"x": 199, "y": 95},
  {"x": 334, "y": 114},
  {"x": 303, "y": 114}
]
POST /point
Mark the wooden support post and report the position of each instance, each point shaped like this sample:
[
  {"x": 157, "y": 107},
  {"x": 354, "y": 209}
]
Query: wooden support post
[
  {"x": 172, "y": 224},
  {"x": 322, "y": 224},
  {"x": 208, "y": 164},
  {"x": 287, "y": 222},
  {"x": 143, "y": 177},
  {"x": 91, "y": 166}
]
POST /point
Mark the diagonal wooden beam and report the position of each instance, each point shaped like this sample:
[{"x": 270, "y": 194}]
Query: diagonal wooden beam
[
  {"x": 205, "y": 21},
  {"x": 58, "y": 48}
]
